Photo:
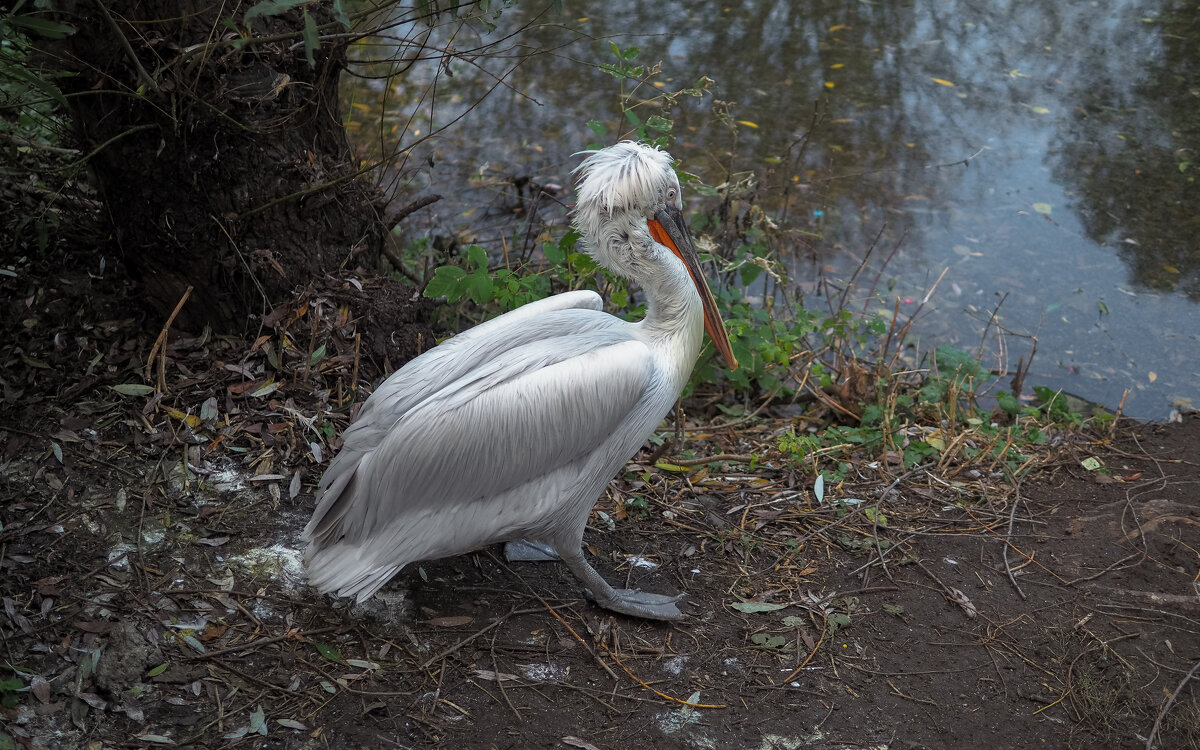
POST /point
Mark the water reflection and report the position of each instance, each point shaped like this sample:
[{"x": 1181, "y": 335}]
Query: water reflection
[{"x": 1043, "y": 153}]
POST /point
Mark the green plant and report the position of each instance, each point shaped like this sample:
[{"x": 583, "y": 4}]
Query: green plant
[
  {"x": 637, "y": 506},
  {"x": 10, "y": 687}
]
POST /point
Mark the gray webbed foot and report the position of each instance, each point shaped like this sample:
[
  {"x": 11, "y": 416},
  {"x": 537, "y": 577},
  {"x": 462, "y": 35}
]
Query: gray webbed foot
[{"x": 642, "y": 604}]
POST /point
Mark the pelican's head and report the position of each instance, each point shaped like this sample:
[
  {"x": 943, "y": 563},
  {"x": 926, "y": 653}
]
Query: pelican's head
[
  {"x": 629, "y": 177},
  {"x": 629, "y": 212}
]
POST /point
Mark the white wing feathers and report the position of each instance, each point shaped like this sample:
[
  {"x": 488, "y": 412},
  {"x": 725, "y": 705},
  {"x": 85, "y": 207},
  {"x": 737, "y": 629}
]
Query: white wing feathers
[
  {"x": 501, "y": 420},
  {"x": 455, "y": 357}
]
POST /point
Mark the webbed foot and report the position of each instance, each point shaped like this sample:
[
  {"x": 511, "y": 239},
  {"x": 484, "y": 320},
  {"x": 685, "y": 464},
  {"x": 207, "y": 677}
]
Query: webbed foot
[{"x": 642, "y": 604}]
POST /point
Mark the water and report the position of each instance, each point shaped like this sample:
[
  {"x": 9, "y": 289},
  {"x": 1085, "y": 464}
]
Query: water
[{"x": 1042, "y": 154}]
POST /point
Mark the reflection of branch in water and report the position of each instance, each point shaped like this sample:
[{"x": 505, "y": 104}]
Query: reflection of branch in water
[
  {"x": 964, "y": 162},
  {"x": 507, "y": 47}
]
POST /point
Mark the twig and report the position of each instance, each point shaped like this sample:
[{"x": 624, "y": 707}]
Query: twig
[
  {"x": 1012, "y": 519},
  {"x": 659, "y": 693},
  {"x": 500, "y": 682},
  {"x": 398, "y": 263},
  {"x": 253, "y": 645},
  {"x": 143, "y": 76},
  {"x": 394, "y": 218},
  {"x": 743, "y": 458},
  {"x": 811, "y": 654},
  {"x": 160, "y": 344},
  {"x": 494, "y": 624}
]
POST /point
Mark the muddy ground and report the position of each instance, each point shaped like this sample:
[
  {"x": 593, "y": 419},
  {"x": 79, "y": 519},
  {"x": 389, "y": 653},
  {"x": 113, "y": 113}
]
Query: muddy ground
[{"x": 152, "y": 593}]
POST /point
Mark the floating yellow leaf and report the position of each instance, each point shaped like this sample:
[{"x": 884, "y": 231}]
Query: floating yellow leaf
[
  {"x": 1040, "y": 110},
  {"x": 829, "y": 84},
  {"x": 747, "y": 123},
  {"x": 943, "y": 81},
  {"x": 1170, "y": 269},
  {"x": 1042, "y": 208},
  {"x": 835, "y": 66},
  {"x": 839, "y": 27},
  {"x": 1153, "y": 376}
]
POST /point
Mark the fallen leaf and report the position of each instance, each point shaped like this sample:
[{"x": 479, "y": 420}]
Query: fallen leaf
[
  {"x": 329, "y": 652},
  {"x": 258, "y": 721},
  {"x": 99, "y": 627},
  {"x": 751, "y": 608},
  {"x": 673, "y": 467},
  {"x": 40, "y": 688},
  {"x": 450, "y": 622},
  {"x": 770, "y": 642},
  {"x": 490, "y": 676},
  {"x": 363, "y": 664},
  {"x": 132, "y": 389},
  {"x": 961, "y": 600},
  {"x": 191, "y": 420},
  {"x": 943, "y": 81}
]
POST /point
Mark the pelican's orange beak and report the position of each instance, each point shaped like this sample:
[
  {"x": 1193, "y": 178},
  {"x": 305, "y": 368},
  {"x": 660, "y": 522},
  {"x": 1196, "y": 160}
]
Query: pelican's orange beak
[{"x": 668, "y": 228}]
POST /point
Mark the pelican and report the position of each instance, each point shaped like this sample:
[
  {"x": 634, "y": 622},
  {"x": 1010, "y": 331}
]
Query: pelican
[{"x": 511, "y": 430}]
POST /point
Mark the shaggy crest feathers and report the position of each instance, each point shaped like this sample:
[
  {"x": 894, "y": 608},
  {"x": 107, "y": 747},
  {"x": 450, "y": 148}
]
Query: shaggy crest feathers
[{"x": 628, "y": 176}]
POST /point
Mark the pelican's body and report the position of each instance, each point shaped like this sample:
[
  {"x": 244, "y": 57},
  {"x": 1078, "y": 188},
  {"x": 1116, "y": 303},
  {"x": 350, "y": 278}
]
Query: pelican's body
[{"x": 512, "y": 429}]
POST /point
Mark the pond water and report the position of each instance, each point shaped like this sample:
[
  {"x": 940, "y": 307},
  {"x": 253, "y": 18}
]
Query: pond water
[{"x": 1038, "y": 157}]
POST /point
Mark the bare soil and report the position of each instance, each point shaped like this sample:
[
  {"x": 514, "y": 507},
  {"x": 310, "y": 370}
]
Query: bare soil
[{"x": 151, "y": 593}]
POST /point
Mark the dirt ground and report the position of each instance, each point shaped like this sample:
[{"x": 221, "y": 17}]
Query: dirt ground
[{"x": 152, "y": 593}]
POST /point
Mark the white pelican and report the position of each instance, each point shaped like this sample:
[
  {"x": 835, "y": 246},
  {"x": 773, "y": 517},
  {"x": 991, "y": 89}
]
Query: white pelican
[{"x": 511, "y": 430}]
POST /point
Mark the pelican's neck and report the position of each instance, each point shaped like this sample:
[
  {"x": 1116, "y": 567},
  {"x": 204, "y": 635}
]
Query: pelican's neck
[
  {"x": 673, "y": 305},
  {"x": 674, "y": 321},
  {"x": 674, "y": 313}
]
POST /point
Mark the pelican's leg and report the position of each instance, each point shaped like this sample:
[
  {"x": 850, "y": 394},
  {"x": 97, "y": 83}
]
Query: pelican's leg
[
  {"x": 626, "y": 601},
  {"x": 521, "y": 550}
]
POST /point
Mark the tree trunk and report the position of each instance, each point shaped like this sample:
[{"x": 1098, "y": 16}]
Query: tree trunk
[{"x": 224, "y": 169}]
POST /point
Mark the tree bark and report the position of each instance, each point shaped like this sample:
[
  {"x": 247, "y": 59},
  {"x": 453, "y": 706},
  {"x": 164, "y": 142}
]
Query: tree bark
[{"x": 225, "y": 169}]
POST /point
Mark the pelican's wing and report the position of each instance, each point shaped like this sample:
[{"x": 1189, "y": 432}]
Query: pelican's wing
[
  {"x": 455, "y": 357},
  {"x": 525, "y": 413}
]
